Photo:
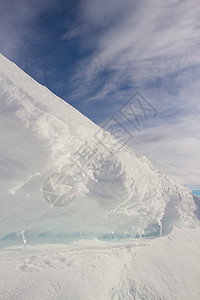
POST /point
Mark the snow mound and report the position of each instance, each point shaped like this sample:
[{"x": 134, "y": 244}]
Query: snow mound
[{"x": 62, "y": 177}]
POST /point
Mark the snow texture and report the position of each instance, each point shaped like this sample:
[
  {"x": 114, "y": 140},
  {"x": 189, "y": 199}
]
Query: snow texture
[
  {"x": 62, "y": 178},
  {"x": 78, "y": 210},
  {"x": 166, "y": 268}
]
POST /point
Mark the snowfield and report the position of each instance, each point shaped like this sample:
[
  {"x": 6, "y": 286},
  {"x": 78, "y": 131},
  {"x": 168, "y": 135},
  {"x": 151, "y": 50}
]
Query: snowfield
[
  {"x": 162, "y": 268},
  {"x": 81, "y": 216}
]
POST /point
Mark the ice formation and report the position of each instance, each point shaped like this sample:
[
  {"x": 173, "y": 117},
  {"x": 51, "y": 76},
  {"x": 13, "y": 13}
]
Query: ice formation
[{"x": 62, "y": 179}]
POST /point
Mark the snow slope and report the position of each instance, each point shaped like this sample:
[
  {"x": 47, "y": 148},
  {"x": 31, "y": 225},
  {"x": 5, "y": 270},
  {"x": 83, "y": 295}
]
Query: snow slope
[{"x": 64, "y": 179}]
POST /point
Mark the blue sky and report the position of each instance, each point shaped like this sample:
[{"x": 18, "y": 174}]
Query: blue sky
[{"x": 96, "y": 54}]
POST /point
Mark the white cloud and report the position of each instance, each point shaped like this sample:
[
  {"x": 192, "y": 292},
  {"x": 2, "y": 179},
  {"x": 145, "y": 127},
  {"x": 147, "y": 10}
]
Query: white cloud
[
  {"x": 151, "y": 46},
  {"x": 73, "y": 33}
]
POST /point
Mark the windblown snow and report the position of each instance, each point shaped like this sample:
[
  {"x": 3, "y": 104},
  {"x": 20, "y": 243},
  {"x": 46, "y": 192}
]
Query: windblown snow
[{"x": 61, "y": 176}]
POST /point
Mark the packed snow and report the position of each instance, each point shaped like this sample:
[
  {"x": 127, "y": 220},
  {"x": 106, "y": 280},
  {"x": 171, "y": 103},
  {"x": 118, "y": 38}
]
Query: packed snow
[
  {"x": 65, "y": 181},
  {"x": 166, "y": 268}
]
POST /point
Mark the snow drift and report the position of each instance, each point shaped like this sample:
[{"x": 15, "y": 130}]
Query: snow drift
[{"x": 59, "y": 181}]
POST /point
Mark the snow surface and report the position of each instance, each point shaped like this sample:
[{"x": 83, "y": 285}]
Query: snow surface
[
  {"x": 65, "y": 181},
  {"x": 164, "y": 268},
  {"x": 115, "y": 192}
]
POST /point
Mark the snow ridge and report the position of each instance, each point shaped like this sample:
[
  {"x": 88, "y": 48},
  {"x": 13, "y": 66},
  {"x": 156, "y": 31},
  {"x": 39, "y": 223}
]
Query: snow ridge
[{"x": 45, "y": 142}]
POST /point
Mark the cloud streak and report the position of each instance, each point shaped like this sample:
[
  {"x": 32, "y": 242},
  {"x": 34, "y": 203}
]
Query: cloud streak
[
  {"x": 17, "y": 23},
  {"x": 151, "y": 47}
]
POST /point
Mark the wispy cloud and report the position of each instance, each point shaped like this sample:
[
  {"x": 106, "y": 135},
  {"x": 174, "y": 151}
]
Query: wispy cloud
[
  {"x": 151, "y": 46},
  {"x": 17, "y": 23},
  {"x": 150, "y": 39},
  {"x": 73, "y": 33}
]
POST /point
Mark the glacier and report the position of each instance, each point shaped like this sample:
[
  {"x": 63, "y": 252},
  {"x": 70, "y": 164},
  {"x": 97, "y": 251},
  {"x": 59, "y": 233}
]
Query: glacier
[{"x": 62, "y": 180}]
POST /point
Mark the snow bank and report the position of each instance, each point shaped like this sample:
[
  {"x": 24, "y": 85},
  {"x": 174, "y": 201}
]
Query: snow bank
[{"x": 61, "y": 177}]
